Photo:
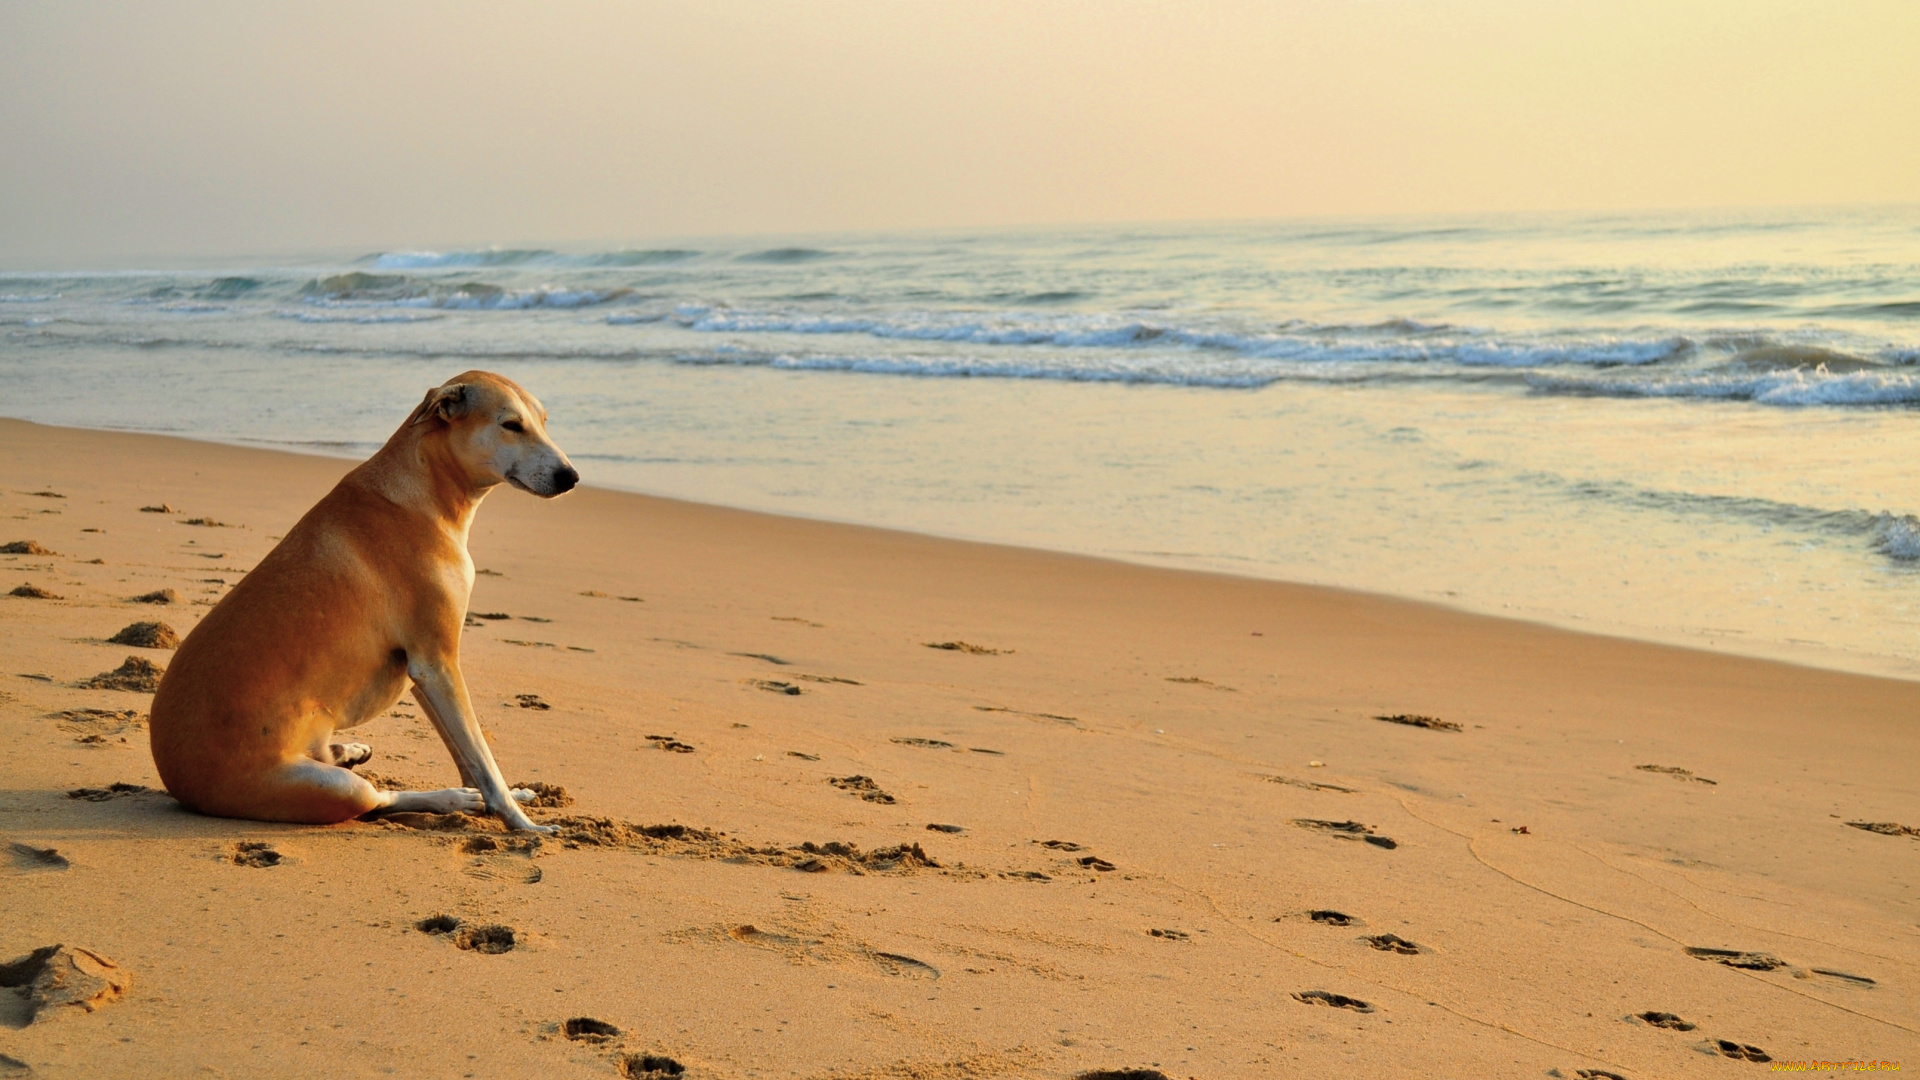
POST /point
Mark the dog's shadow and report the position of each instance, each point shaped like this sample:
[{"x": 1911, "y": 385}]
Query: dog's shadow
[{"x": 32, "y": 819}]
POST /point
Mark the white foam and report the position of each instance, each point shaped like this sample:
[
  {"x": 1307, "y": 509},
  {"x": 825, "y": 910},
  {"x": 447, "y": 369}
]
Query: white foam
[{"x": 1897, "y": 536}]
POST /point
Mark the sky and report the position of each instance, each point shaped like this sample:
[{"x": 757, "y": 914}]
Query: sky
[{"x": 140, "y": 131}]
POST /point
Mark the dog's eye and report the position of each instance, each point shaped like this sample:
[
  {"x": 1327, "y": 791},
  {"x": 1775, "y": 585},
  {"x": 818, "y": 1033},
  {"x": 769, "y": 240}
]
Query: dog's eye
[{"x": 513, "y": 425}]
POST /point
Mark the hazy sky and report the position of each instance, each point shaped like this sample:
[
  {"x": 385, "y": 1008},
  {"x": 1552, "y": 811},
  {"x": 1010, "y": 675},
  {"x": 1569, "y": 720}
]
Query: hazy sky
[{"x": 156, "y": 129}]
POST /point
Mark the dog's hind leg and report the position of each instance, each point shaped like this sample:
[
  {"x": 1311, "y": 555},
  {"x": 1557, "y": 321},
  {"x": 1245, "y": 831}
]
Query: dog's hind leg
[
  {"x": 315, "y": 793},
  {"x": 302, "y": 790}
]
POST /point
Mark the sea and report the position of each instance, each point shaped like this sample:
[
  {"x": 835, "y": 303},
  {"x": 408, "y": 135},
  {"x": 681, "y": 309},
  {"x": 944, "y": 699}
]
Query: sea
[{"x": 1695, "y": 428}]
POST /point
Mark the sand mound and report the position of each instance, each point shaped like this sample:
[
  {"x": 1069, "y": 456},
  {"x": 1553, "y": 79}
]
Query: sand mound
[
  {"x": 24, "y": 547},
  {"x": 35, "y": 592},
  {"x": 158, "y": 596},
  {"x": 58, "y": 975},
  {"x": 147, "y": 635},
  {"x": 136, "y": 673}
]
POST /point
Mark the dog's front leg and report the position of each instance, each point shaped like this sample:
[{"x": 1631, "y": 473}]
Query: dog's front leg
[{"x": 442, "y": 693}]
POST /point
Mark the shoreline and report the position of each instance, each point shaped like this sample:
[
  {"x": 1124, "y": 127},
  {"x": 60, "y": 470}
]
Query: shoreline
[
  {"x": 1729, "y": 643},
  {"x": 1151, "y": 787}
]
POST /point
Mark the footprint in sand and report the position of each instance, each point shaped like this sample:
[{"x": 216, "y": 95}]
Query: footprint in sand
[
  {"x": 777, "y": 687},
  {"x": 1169, "y": 935},
  {"x": 57, "y": 976},
  {"x": 1310, "y": 785},
  {"x": 1332, "y": 918},
  {"x": 964, "y": 647},
  {"x": 1061, "y": 845},
  {"x": 768, "y": 657},
  {"x": 931, "y": 744},
  {"x": 1676, "y": 772},
  {"x": 649, "y": 1066},
  {"x": 27, "y": 858},
  {"x": 1034, "y": 715},
  {"x": 587, "y": 1029},
  {"x": 1195, "y": 680},
  {"x": 490, "y": 940},
  {"x": 946, "y": 828},
  {"x": 1431, "y": 723},
  {"x": 1347, "y": 830},
  {"x": 803, "y": 756},
  {"x": 670, "y": 744},
  {"x": 1740, "y": 1051},
  {"x": 1856, "y": 980},
  {"x": 1392, "y": 943},
  {"x": 1886, "y": 828},
  {"x": 863, "y": 786},
  {"x": 111, "y": 791},
  {"x": 1749, "y": 961},
  {"x": 158, "y": 596},
  {"x": 1025, "y": 875},
  {"x": 98, "y": 726},
  {"x": 1597, "y": 1074},
  {"x": 257, "y": 853},
  {"x": 437, "y": 924},
  {"x": 1122, "y": 1074},
  {"x": 825, "y": 951},
  {"x": 1664, "y": 1020},
  {"x": 1337, "y": 1001}
]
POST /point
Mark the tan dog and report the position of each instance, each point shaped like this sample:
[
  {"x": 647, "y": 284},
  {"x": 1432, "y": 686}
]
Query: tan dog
[{"x": 366, "y": 593}]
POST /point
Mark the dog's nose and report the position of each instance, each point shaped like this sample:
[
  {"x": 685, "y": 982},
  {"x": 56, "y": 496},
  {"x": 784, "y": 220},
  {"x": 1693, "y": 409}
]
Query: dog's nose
[{"x": 564, "y": 478}]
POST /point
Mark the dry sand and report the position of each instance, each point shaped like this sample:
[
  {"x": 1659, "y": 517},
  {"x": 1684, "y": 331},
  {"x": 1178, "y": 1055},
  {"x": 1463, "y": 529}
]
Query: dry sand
[{"x": 1131, "y": 768}]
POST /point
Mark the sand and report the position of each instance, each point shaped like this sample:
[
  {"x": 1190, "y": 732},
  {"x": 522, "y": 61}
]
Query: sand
[{"x": 1118, "y": 818}]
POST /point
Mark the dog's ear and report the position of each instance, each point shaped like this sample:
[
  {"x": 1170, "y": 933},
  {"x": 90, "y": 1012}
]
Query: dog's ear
[{"x": 442, "y": 402}]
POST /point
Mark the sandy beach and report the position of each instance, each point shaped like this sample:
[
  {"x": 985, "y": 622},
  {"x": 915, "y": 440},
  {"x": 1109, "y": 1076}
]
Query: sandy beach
[{"x": 849, "y": 803}]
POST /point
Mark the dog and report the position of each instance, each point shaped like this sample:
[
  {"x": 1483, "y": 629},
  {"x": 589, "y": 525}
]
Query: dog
[{"x": 365, "y": 595}]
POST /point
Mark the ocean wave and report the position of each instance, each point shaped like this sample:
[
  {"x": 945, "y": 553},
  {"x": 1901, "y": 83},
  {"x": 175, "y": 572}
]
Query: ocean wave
[
  {"x": 27, "y": 298},
  {"x": 229, "y": 288},
  {"x": 1794, "y": 387},
  {"x": 363, "y": 317},
  {"x": 1403, "y": 341},
  {"x": 783, "y": 255},
  {"x": 1233, "y": 373},
  {"x": 361, "y": 289},
  {"x": 1897, "y": 536},
  {"x": 497, "y": 257},
  {"x": 425, "y": 260}
]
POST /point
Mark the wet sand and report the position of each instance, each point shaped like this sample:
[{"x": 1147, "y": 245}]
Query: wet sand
[{"x": 1151, "y": 780}]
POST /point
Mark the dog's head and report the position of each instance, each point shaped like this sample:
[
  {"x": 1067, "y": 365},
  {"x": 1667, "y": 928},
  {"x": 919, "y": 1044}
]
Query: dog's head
[{"x": 498, "y": 432}]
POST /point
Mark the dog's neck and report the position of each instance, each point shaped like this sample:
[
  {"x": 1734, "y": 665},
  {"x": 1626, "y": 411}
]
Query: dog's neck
[{"x": 419, "y": 470}]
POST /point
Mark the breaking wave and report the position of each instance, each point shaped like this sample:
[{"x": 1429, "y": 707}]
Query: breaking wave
[
  {"x": 360, "y": 289},
  {"x": 496, "y": 257}
]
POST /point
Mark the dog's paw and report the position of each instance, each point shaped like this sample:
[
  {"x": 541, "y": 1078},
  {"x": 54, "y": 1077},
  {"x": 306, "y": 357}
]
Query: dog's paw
[
  {"x": 523, "y": 795},
  {"x": 347, "y": 755}
]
